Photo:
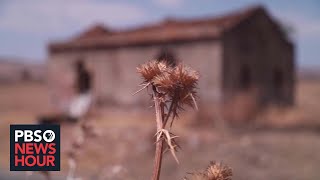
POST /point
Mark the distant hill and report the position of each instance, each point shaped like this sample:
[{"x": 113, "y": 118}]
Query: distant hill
[
  {"x": 309, "y": 73},
  {"x": 15, "y": 70}
]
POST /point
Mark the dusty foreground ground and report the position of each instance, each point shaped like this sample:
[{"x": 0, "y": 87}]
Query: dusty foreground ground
[{"x": 123, "y": 148}]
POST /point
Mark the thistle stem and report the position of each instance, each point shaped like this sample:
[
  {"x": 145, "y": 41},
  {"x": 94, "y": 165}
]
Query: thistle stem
[{"x": 159, "y": 145}]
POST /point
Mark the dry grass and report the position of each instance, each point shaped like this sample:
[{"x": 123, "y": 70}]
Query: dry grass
[
  {"x": 117, "y": 153},
  {"x": 305, "y": 114}
]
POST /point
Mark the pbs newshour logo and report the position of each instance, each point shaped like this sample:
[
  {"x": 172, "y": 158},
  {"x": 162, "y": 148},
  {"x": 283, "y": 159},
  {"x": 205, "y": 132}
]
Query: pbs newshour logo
[{"x": 34, "y": 147}]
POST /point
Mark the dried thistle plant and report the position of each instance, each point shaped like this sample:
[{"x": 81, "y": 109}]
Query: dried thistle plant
[
  {"x": 215, "y": 171},
  {"x": 172, "y": 89},
  {"x": 77, "y": 145}
]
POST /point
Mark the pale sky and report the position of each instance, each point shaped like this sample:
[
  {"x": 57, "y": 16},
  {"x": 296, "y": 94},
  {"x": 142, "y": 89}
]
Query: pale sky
[{"x": 26, "y": 26}]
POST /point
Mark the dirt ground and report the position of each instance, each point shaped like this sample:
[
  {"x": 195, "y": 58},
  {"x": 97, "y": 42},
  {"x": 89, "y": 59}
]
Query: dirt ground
[{"x": 124, "y": 146}]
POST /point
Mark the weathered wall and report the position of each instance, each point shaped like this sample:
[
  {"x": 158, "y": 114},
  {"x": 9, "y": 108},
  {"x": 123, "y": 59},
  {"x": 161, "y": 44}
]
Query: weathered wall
[
  {"x": 115, "y": 76},
  {"x": 257, "y": 43}
]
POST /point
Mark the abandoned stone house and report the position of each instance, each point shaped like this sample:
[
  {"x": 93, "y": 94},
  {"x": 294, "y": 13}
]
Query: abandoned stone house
[{"x": 234, "y": 53}]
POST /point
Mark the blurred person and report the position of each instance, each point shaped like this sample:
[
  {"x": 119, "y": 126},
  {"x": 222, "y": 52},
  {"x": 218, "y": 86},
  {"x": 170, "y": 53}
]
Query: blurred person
[{"x": 81, "y": 102}]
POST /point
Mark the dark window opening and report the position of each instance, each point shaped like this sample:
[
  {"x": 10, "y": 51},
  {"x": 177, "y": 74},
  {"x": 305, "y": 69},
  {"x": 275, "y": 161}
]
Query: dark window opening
[
  {"x": 245, "y": 77},
  {"x": 278, "y": 79},
  {"x": 278, "y": 82},
  {"x": 83, "y": 77},
  {"x": 278, "y": 85},
  {"x": 167, "y": 55}
]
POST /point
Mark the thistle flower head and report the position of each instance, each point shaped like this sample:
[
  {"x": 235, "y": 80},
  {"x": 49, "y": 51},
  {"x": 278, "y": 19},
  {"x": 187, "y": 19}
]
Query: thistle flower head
[
  {"x": 218, "y": 171},
  {"x": 215, "y": 171},
  {"x": 185, "y": 76},
  {"x": 164, "y": 82},
  {"x": 177, "y": 84},
  {"x": 152, "y": 69},
  {"x": 187, "y": 80}
]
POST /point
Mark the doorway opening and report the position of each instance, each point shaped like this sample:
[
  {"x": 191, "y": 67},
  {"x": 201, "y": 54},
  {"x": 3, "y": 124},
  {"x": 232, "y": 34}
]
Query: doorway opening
[
  {"x": 245, "y": 77},
  {"x": 167, "y": 55}
]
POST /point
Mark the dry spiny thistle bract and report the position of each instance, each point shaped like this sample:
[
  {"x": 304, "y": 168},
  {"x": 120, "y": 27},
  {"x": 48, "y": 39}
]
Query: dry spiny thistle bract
[
  {"x": 178, "y": 82},
  {"x": 152, "y": 69},
  {"x": 180, "y": 77},
  {"x": 218, "y": 171},
  {"x": 187, "y": 80},
  {"x": 215, "y": 171}
]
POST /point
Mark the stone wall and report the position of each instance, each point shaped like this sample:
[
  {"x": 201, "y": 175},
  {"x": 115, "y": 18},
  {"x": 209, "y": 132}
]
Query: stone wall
[
  {"x": 257, "y": 51},
  {"x": 115, "y": 76},
  {"x": 255, "y": 55}
]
